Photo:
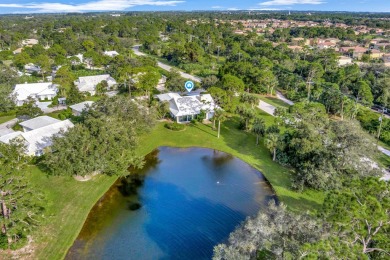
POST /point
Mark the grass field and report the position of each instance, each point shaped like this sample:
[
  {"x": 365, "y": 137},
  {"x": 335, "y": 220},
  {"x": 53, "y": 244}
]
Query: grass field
[
  {"x": 4, "y": 119},
  {"x": 69, "y": 201}
]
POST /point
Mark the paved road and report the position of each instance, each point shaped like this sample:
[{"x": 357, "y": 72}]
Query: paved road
[
  {"x": 167, "y": 67},
  {"x": 9, "y": 123},
  {"x": 280, "y": 96},
  {"x": 383, "y": 150},
  {"x": 268, "y": 108}
]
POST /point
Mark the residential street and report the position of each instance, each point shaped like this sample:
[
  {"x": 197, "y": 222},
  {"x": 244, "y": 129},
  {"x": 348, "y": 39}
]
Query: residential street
[{"x": 167, "y": 67}]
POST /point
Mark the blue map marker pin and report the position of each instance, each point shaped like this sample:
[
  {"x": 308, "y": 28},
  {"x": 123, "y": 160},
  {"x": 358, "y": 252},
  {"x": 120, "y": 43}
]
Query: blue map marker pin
[{"x": 189, "y": 85}]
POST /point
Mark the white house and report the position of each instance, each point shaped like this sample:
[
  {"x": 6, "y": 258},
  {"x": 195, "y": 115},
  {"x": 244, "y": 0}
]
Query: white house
[
  {"x": 80, "y": 58},
  {"x": 88, "y": 84},
  {"x": 31, "y": 68},
  {"x": 29, "y": 42},
  {"x": 38, "y": 122},
  {"x": 38, "y": 139},
  {"x": 78, "y": 108},
  {"x": 186, "y": 108},
  {"x": 38, "y": 91},
  {"x": 111, "y": 54}
]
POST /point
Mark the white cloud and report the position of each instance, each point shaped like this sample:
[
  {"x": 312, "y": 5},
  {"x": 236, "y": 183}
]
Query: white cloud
[
  {"x": 217, "y": 7},
  {"x": 293, "y": 2},
  {"x": 102, "y": 5},
  {"x": 232, "y": 9}
]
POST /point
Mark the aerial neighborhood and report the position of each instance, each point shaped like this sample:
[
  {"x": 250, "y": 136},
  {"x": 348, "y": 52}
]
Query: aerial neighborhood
[{"x": 250, "y": 132}]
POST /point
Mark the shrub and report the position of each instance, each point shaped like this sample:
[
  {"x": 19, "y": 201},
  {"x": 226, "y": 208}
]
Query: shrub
[{"x": 174, "y": 126}]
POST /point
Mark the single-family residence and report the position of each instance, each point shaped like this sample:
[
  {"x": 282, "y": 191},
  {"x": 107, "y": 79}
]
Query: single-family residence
[
  {"x": 375, "y": 54},
  {"x": 185, "y": 108},
  {"x": 76, "y": 59},
  {"x": 111, "y": 54},
  {"x": 30, "y": 42},
  {"x": 31, "y": 68},
  {"x": 386, "y": 60},
  {"x": 77, "y": 109},
  {"x": 344, "y": 60},
  {"x": 18, "y": 51},
  {"x": 38, "y": 139},
  {"x": 356, "y": 52},
  {"x": 382, "y": 46},
  {"x": 88, "y": 83},
  {"x": 37, "y": 91},
  {"x": 38, "y": 122}
]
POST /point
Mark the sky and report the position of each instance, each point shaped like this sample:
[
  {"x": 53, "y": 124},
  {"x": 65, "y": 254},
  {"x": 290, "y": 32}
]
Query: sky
[{"x": 63, "y": 6}]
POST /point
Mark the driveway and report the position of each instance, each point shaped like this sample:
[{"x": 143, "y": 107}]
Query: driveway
[
  {"x": 280, "y": 96},
  {"x": 268, "y": 108}
]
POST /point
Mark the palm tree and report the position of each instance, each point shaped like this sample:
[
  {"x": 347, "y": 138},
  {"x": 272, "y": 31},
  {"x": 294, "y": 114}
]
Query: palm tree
[
  {"x": 219, "y": 115},
  {"x": 271, "y": 142},
  {"x": 258, "y": 128}
]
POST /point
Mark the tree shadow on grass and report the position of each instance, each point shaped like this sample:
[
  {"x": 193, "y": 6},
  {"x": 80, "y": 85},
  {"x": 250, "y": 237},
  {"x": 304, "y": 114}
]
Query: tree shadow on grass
[
  {"x": 300, "y": 205},
  {"x": 197, "y": 127}
]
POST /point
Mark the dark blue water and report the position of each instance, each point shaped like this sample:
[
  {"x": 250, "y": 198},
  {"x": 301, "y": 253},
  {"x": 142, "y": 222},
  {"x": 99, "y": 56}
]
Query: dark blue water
[{"x": 190, "y": 200}]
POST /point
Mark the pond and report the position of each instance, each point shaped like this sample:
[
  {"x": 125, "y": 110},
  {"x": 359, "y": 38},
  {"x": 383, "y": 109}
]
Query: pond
[{"x": 179, "y": 206}]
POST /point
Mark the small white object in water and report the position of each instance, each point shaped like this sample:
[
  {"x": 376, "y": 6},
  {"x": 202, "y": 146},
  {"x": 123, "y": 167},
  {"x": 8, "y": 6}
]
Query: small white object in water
[{"x": 217, "y": 182}]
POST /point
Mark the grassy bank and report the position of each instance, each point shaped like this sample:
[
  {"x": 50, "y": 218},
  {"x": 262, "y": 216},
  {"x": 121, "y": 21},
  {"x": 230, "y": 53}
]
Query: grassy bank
[
  {"x": 71, "y": 201},
  {"x": 4, "y": 119}
]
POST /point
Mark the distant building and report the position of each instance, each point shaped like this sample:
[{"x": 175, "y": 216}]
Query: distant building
[
  {"x": 40, "y": 138},
  {"x": 18, "y": 51},
  {"x": 78, "y": 108},
  {"x": 37, "y": 91},
  {"x": 29, "y": 42},
  {"x": 186, "y": 108},
  {"x": 111, "y": 54},
  {"x": 88, "y": 84},
  {"x": 31, "y": 68},
  {"x": 344, "y": 60},
  {"x": 78, "y": 61},
  {"x": 375, "y": 54},
  {"x": 355, "y": 52},
  {"x": 386, "y": 60}
]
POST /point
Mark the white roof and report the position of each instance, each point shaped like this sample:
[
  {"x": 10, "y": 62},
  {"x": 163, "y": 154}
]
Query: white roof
[
  {"x": 191, "y": 105},
  {"x": 167, "y": 96},
  {"x": 111, "y": 53},
  {"x": 8, "y": 137},
  {"x": 30, "y": 41},
  {"x": 23, "y": 91},
  {"x": 40, "y": 138},
  {"x": 5, "y": 131},
  {"x": 39, "y": 122},
  {"x": 88, "y": 83},
  {"x": 81, "y": 106}
]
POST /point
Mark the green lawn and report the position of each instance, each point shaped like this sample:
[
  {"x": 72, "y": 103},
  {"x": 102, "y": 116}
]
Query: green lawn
[
  {"x": 4, "y": 119},
  {"x": 273, "y": 101},
  {"x": 69, "y": 201},
  {"x": 55, "y": 114}
]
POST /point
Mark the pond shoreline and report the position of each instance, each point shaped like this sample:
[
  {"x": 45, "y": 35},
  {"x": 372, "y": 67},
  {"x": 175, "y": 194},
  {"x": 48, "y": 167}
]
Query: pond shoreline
[{"x": 91, "y": 215}]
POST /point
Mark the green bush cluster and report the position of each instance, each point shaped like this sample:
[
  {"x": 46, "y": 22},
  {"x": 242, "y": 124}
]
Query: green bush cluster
[{"x": 174, "y": 126}]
